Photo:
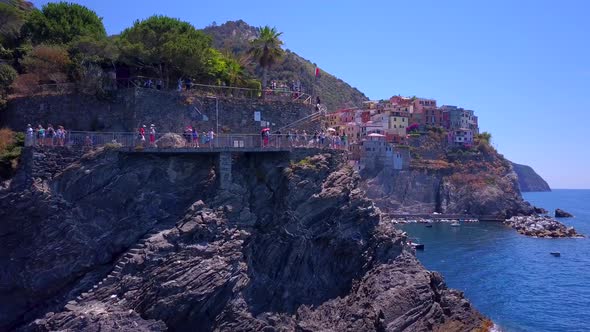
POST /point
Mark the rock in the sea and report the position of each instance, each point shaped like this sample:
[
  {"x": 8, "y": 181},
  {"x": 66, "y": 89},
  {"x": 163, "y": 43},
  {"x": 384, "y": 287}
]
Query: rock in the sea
[
  {"x": 171, "y": 140},
  {"x": 538, "y": 210},
  {"x": 559, "y": 213},
  {"x": 541, "y": 226}
]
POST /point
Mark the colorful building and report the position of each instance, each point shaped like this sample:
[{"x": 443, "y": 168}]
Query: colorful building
[
  {"x": 422, "y": 104},
  {"x": 459, "y": 118},
  {"x": 398, "y": 123},
  {"x": 433, "y": 117},
  {"x": 460, "y": 137},
  {"x": 375, "y": 153}
]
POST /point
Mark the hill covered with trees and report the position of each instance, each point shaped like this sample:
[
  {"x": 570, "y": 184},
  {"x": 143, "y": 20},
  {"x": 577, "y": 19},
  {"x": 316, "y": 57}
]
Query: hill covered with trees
[
  {"x": 235, "y": 37},
  {"x": 67, "y": 43}
]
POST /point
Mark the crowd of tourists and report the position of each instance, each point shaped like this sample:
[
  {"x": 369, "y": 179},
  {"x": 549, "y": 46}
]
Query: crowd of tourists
[
  {"x": 297, "y": 138},
  {"x": 194, "y": 139},
  {"x": 147, "y": 137},
  {"x": 284, "y": 88},
  {"x": 41, "y": 136}
]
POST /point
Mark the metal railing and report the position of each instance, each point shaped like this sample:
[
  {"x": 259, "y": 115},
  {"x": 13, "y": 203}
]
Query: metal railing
[
  {"x": 84, "y": 139},
  {"x": 217, "y": 90}
]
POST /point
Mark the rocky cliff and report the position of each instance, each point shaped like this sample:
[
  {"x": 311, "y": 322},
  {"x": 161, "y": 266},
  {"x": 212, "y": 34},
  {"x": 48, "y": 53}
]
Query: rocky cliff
[
  {"x": 149, "y": 242},
  {"x": 528, "y": 179},
  {"x": 334, "y": 92},
  {"x": 475, "y": 181}
]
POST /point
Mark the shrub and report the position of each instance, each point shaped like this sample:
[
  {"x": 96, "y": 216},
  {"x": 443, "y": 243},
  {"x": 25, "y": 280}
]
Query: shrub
[
  {"x": 113, "y": 146},
  {"x": 11, "y": 144}
]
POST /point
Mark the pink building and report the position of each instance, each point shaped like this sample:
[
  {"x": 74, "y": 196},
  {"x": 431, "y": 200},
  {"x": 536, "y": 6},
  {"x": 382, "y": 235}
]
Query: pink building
[{"x": 422, "y": 104}]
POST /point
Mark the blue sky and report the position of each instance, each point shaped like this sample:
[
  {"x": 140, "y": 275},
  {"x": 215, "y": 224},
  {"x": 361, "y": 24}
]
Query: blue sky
[{"x": 523, "y": 66}]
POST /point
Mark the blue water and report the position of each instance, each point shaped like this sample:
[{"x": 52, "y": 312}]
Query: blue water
[{"x": 512, "y": 278}]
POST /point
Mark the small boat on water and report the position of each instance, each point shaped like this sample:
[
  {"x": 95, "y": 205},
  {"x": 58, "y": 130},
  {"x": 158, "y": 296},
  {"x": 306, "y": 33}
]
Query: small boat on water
[
  {"x": 556, "y": 253},
  {"x": 428, "y": 225},
  {"x": 455, "y": 224},
  {"x": 417, "y": 246}
]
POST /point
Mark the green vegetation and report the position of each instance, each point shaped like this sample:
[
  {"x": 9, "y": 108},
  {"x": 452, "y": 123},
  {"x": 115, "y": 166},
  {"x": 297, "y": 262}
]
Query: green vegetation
[
  {"x": 113, "y": 146},
  {"x": 11, "y": 145},
  {"x": 11, "y": 20},
  {"x": 234, "y": 36},
  {"x": 484, "y": 137},
  {"x": 7, "y": 76},
  {"x": 67, "y": 43},
  {"x": 166, "y": 46},
  {"x": 62, "y": 23},
  {"x": 267, "y": 49}
]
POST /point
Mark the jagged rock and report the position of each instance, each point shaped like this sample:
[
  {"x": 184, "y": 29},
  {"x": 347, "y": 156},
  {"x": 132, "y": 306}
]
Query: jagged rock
[
  {"x": 314, "y": 254},
  {"x": 541, "y": 226},
  {"x": 171, "y": 140},
  {"x": 480, "y": 183},
  {"x": 538, "y": 210},
  {"x": 559, "y": 213}
]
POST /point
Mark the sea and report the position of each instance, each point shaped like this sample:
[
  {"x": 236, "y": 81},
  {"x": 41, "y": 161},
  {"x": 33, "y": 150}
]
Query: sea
[{"x": 511, "y": 278}]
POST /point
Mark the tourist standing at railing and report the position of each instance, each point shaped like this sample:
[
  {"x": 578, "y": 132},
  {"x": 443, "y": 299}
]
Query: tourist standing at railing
[
  {"x": 187, "y": 83},
  {"x": 211, "y": 136},
  {"x": 49, "y": 135},
  {"x": 159, "y": 85},
  {"x": 29, "y": 135},
  {"x": 290, "y": 138},
  {"x": 40, "y": 135},
  {"x": 338, "y": 141},
  {"x": 152, "y": 135},
  {"x": 304, "y": 137},
  {"x": 344, "y": 139},
  {"x": 296, "y": 138},
  {"x": 179, "y": 86},
  {"x": 141, "y": 135},
  {"x": 87, "y": 142},
  {"x": 188, "y": 135},
  {"x": 322, "y": 138},
  {"x": 60, "y": 135},
  {"x": 195, "y": 138}
]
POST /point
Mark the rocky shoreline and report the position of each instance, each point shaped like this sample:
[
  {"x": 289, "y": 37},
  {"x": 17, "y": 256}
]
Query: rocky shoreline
[
  {"x": 151, "y": 243},
  {"x": 541, "y": 226},
  {"x": 431, "y": 220}
]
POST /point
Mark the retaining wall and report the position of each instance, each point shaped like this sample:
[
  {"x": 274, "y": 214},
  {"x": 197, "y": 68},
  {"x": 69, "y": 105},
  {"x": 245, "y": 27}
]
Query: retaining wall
[{"x": 169, "y": 111}]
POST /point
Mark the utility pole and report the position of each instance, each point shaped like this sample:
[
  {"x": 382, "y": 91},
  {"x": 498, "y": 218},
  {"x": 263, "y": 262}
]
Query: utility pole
[{"x": 217, "y": 115}]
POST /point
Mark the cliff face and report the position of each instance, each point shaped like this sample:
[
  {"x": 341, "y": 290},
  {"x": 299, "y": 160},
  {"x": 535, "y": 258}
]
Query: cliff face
[
  {"x": 149, "y": 242},
  {"x": 528, "y": 179},
  {"x": 478, "y": 181}
]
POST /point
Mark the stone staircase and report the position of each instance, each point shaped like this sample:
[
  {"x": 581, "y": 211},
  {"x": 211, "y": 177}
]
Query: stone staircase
[{"x": 115, "y": 274}]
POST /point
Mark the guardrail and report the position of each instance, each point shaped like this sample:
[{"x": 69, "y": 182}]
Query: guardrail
[
  {"x": 85, "y": 139},
  {"x": 217, "y": 90}
]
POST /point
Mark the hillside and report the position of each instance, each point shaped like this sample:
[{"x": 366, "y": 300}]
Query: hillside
[
  {"x": 334, "y": 92},
  {"x": 528, "y": 179}
]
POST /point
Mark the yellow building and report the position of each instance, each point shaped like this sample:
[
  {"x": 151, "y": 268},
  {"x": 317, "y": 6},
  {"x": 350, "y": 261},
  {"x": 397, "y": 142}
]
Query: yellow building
[{"x": 397, "y": 124}]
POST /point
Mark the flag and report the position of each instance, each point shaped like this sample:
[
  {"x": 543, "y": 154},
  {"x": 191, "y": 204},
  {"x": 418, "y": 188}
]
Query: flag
[{"x": 317, "y": 72}]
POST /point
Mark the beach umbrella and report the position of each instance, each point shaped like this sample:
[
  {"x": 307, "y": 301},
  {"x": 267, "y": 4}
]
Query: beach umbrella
[
  {"x": 265, "y": 129},
  {"x": 331, "y": 129}
]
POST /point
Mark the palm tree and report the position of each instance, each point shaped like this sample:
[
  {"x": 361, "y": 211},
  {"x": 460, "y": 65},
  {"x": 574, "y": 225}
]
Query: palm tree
[
  {"x": 267, "y": 49},
  {"x": 236, "y": 74}
]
